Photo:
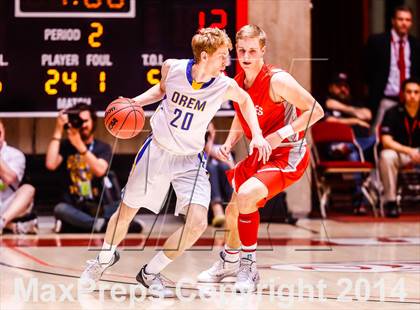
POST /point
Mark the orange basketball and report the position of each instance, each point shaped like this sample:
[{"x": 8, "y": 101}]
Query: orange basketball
[{"x": 123, "y": 119}]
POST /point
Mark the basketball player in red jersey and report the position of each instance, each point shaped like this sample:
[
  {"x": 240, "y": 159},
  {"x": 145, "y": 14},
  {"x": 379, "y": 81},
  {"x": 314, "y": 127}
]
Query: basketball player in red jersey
[{"x": 285, "y": 109}]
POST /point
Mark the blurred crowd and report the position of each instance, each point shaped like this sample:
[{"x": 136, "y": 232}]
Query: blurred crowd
[
  {"x": 387, "y": 120},
  {"x": 385, "y": 123}
]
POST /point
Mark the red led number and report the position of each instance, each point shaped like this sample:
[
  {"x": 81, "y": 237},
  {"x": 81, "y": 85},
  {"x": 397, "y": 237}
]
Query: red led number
[
  {"x": 216, "y": 12},
  {"x": 94, "y": 4}
]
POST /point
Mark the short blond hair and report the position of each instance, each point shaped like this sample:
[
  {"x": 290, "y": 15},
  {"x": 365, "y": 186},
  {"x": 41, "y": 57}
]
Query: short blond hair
[
  {"x": 209, "y": 40},
  {"x": 252, "y": 31}
]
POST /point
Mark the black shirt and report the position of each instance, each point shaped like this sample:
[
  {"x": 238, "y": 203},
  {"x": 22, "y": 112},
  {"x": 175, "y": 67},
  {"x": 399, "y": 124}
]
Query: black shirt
[
  {"x": 80, "y": 184},
  {"x": 401, "y": 126}
]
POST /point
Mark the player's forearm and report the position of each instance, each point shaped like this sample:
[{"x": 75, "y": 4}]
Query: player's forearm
[
  {"x": 248, "y": 111},
  {"x": 235, "y": 132},
  {"x": 7, "y": 175},
  {"x": 150, "y": 96}
]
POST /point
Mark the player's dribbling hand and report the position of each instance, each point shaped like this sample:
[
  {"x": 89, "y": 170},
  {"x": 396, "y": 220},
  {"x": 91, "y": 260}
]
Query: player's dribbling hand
[
  {"x": 263, "y": 147},
  {"x": 130, "y": 100},
  {"x": 224, "y": 152}
]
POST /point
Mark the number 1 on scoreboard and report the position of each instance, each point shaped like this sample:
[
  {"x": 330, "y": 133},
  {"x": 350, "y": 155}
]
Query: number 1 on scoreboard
[{"x": 102, "y": 81}]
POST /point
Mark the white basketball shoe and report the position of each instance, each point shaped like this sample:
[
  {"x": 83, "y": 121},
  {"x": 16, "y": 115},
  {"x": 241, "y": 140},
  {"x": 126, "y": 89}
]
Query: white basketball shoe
[{"x": 219, "y": 271}]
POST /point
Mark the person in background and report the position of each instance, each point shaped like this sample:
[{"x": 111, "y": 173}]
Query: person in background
[
  {"x": 16, "y": 200},
  {"x": 84, "y": 161},
  {"x": 390, "y": 58},
  {"x": 341, "y": 107},
  {"x": 400, "y": 137}
]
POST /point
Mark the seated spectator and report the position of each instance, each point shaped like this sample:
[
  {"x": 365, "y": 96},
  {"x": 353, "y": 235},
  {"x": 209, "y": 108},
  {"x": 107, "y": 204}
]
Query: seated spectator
[
  {"x": 16, "y": 201},
  {"x": 341, "y": 107},
  {"x": 221, "y": 190},
  {"x": 400, "y": 137},
  {"x": 84, "y": 161}
]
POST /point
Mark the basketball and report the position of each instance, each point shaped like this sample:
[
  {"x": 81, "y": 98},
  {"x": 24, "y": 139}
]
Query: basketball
[{"x": 123, "y": 119}]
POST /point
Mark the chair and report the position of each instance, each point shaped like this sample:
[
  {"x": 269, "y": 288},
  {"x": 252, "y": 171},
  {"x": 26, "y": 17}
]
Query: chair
[
  {"x": 408, "y": 185},
  {"x": 329, "y": 174}
]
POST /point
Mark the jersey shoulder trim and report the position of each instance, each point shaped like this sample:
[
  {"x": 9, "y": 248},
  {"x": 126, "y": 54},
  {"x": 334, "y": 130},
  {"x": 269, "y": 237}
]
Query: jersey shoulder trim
[{"x": 190, "y": 79}]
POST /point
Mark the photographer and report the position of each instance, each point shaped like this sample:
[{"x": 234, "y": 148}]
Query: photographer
[{"x": 84, "y": 161}]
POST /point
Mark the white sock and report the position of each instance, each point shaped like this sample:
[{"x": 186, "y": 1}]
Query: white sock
[
  {"x": 106, "y": 254},
  {"x": 249, "y": 252},
  {"x": 158, "y": 263},
  {"x": 231, "y": 255}
]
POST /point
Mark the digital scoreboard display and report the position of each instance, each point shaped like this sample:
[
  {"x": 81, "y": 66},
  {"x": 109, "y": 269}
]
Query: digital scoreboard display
[{"x": 57, "y": 53}]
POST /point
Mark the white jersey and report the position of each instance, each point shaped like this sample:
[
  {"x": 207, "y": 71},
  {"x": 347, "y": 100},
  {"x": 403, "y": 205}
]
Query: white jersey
[{"x": 180, "y": 122}]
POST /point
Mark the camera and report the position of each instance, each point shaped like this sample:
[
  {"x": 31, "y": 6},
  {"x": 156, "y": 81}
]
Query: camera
[{"x": 74, "y": 119}]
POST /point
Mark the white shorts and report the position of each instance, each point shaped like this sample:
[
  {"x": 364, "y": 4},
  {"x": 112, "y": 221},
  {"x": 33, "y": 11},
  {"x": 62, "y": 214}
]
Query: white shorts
[{"x": 155, "y": 169}]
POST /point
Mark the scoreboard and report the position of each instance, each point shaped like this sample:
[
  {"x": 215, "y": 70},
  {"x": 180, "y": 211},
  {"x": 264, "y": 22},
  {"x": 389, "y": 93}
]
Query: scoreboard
[{"x": 57, "y": 53}]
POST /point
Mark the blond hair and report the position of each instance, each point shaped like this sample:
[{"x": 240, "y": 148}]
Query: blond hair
[
  {"x": 252, "y": 31},
  {"x": 209, "y": 40}
]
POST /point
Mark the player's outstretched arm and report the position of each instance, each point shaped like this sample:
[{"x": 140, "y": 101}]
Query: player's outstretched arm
[
  {"x": 246, "y": 105},
  {"x": 156, "y": 92},
  {"x": 283, "y": 85}
]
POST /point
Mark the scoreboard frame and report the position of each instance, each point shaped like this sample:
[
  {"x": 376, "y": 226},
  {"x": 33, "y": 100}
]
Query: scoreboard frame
[
  {"x": 240, "y": 11},
  {"x": 19, "y": 13}
]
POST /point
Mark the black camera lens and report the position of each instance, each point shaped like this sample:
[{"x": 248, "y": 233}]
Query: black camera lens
[{"x": 74, "y": 120}]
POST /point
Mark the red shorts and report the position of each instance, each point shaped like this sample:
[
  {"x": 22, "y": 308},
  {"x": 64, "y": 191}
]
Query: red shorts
[{"x": 285, "y": 166}]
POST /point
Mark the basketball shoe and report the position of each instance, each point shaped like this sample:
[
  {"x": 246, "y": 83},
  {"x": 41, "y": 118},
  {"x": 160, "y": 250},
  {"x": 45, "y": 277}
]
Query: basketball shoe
[
  {"x": 94, "y": 270},
  {"x": 154, "y": 284},
  {"x": 248, "y": 277},
  {"x": 220, "y": 270}
]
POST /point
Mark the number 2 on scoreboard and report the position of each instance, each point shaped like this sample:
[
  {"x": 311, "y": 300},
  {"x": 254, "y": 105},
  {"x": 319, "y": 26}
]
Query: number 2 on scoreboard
[
  {"x": 95, "y": 35},
  {"x": 54, "y": 80}
]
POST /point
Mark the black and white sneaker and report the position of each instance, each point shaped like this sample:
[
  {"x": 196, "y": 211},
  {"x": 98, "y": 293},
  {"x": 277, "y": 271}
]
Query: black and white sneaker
[
  {"x": 154, "y": 284},
  {"x": 94, "y": 270}
]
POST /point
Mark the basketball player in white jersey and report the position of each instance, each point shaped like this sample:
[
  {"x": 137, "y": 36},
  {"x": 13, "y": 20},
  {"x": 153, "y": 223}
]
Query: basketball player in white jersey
[{"x": 191, "y": 92}]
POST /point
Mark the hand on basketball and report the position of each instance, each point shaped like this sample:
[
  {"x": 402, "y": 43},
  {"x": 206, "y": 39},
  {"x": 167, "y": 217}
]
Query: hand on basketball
[
  {"x": 224, "y": 152},
  {"x": 132, "y": 101},
  {"x": 263, "y": 147}
]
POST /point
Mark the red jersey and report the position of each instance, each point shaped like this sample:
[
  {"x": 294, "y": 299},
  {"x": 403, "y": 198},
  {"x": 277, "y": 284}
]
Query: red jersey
[{"x": 271, "y": 115}]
